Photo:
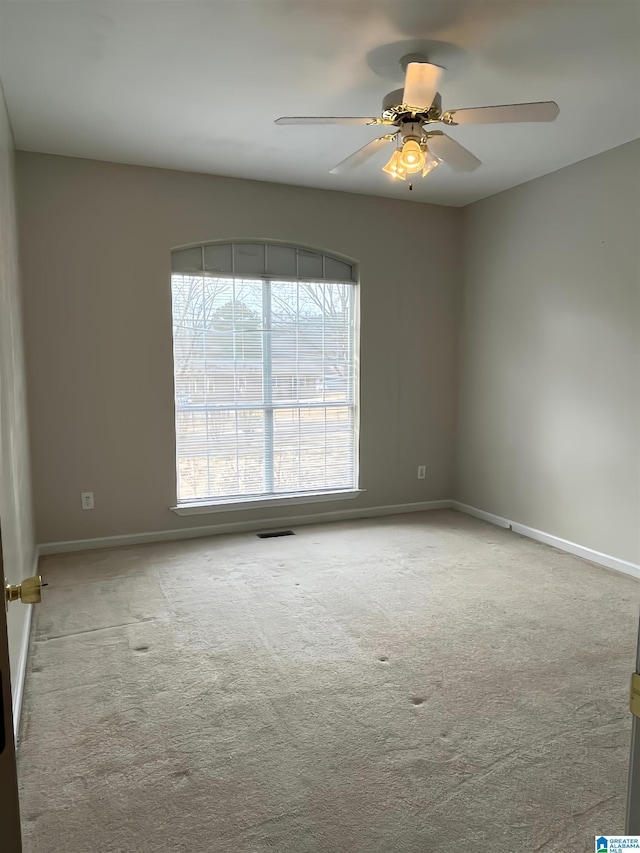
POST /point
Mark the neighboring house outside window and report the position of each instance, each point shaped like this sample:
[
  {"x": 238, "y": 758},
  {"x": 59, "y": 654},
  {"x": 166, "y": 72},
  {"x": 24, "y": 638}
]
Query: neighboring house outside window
[{"x": 265, "y": 371}]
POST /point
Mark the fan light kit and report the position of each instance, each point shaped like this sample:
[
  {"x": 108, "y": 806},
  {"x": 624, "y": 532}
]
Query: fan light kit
[{"x": 411, "y": 111}]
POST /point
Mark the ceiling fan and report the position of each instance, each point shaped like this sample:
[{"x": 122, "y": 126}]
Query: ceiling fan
[{"x": 411, "y": 111}]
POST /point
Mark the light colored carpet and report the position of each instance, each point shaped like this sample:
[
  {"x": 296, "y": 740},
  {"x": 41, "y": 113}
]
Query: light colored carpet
[{"x": 425, "y": 682}]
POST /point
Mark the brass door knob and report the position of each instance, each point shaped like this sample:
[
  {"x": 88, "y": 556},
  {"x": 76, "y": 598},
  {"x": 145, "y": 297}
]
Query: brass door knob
[{"x": 29, "y": 591}]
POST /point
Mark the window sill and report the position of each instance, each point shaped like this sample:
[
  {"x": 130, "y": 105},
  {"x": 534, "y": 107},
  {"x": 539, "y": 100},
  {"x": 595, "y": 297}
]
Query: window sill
[{"x": 202, "y": 508}]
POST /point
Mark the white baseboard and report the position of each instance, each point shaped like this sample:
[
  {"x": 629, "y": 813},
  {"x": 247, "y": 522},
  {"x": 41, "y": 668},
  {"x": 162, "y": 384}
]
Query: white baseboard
[
  {"x": 480, "y": 513},
  {"x": 579, "y": 550},
  {"x": 238, "y": 527},
  {"x": 18, "y": 678},
  {"x": 598, "y": 557}
]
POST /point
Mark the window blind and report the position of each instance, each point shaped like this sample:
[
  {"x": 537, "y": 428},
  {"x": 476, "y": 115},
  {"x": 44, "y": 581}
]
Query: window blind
[
  {"x": 265, "y": 385},
  {"x": 272, "y": 259}
]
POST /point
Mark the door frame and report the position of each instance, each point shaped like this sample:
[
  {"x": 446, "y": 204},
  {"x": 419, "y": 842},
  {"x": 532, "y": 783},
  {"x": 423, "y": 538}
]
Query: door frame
[{"x": 9, "y": 803}]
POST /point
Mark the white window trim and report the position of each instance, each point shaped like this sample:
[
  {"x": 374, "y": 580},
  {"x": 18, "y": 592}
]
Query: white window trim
[
  {"x": 291, "y": 499},
  {"x": 211, "y": 505}
]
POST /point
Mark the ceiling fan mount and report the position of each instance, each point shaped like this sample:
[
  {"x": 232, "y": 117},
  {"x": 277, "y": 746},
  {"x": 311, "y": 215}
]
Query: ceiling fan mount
[
  {"x": 421, "y": 58},
  {"x": 412, "y": 110}
]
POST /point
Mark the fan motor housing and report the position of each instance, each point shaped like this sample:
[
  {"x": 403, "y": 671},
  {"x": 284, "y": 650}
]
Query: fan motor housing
[{"x": 392, "y": 103}]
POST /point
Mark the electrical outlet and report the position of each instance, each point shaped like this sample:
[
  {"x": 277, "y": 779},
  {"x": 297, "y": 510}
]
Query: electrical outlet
[
  {"x": 422, "y": 472},
  {"x": 87, "y": 500}
]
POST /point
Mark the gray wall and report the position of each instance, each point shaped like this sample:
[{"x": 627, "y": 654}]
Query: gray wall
[
  {"x": 15, "y": 487},
  {"x": 95, "y": 243},
  {"x": 549, "y": 419}
]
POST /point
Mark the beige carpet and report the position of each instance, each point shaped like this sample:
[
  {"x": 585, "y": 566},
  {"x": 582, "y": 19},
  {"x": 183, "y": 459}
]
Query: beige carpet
[{"x": 425, "y": 682}]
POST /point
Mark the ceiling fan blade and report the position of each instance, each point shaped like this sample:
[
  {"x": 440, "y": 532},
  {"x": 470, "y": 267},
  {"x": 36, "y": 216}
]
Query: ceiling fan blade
[
  {"x": 362, "y": 154},
  {"x": 327, "y": 120},
  {"x": 420, "y": 85},
  {"x": 452, "y": 153},
  {"x": 541, "y": 111}
]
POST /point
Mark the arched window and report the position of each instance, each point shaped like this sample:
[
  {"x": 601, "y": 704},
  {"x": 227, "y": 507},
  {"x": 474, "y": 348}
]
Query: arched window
[{"x": 265, "y": 341}]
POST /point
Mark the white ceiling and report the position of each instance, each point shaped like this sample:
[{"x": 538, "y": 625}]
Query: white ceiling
[{"x": 197, "y": 85}]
